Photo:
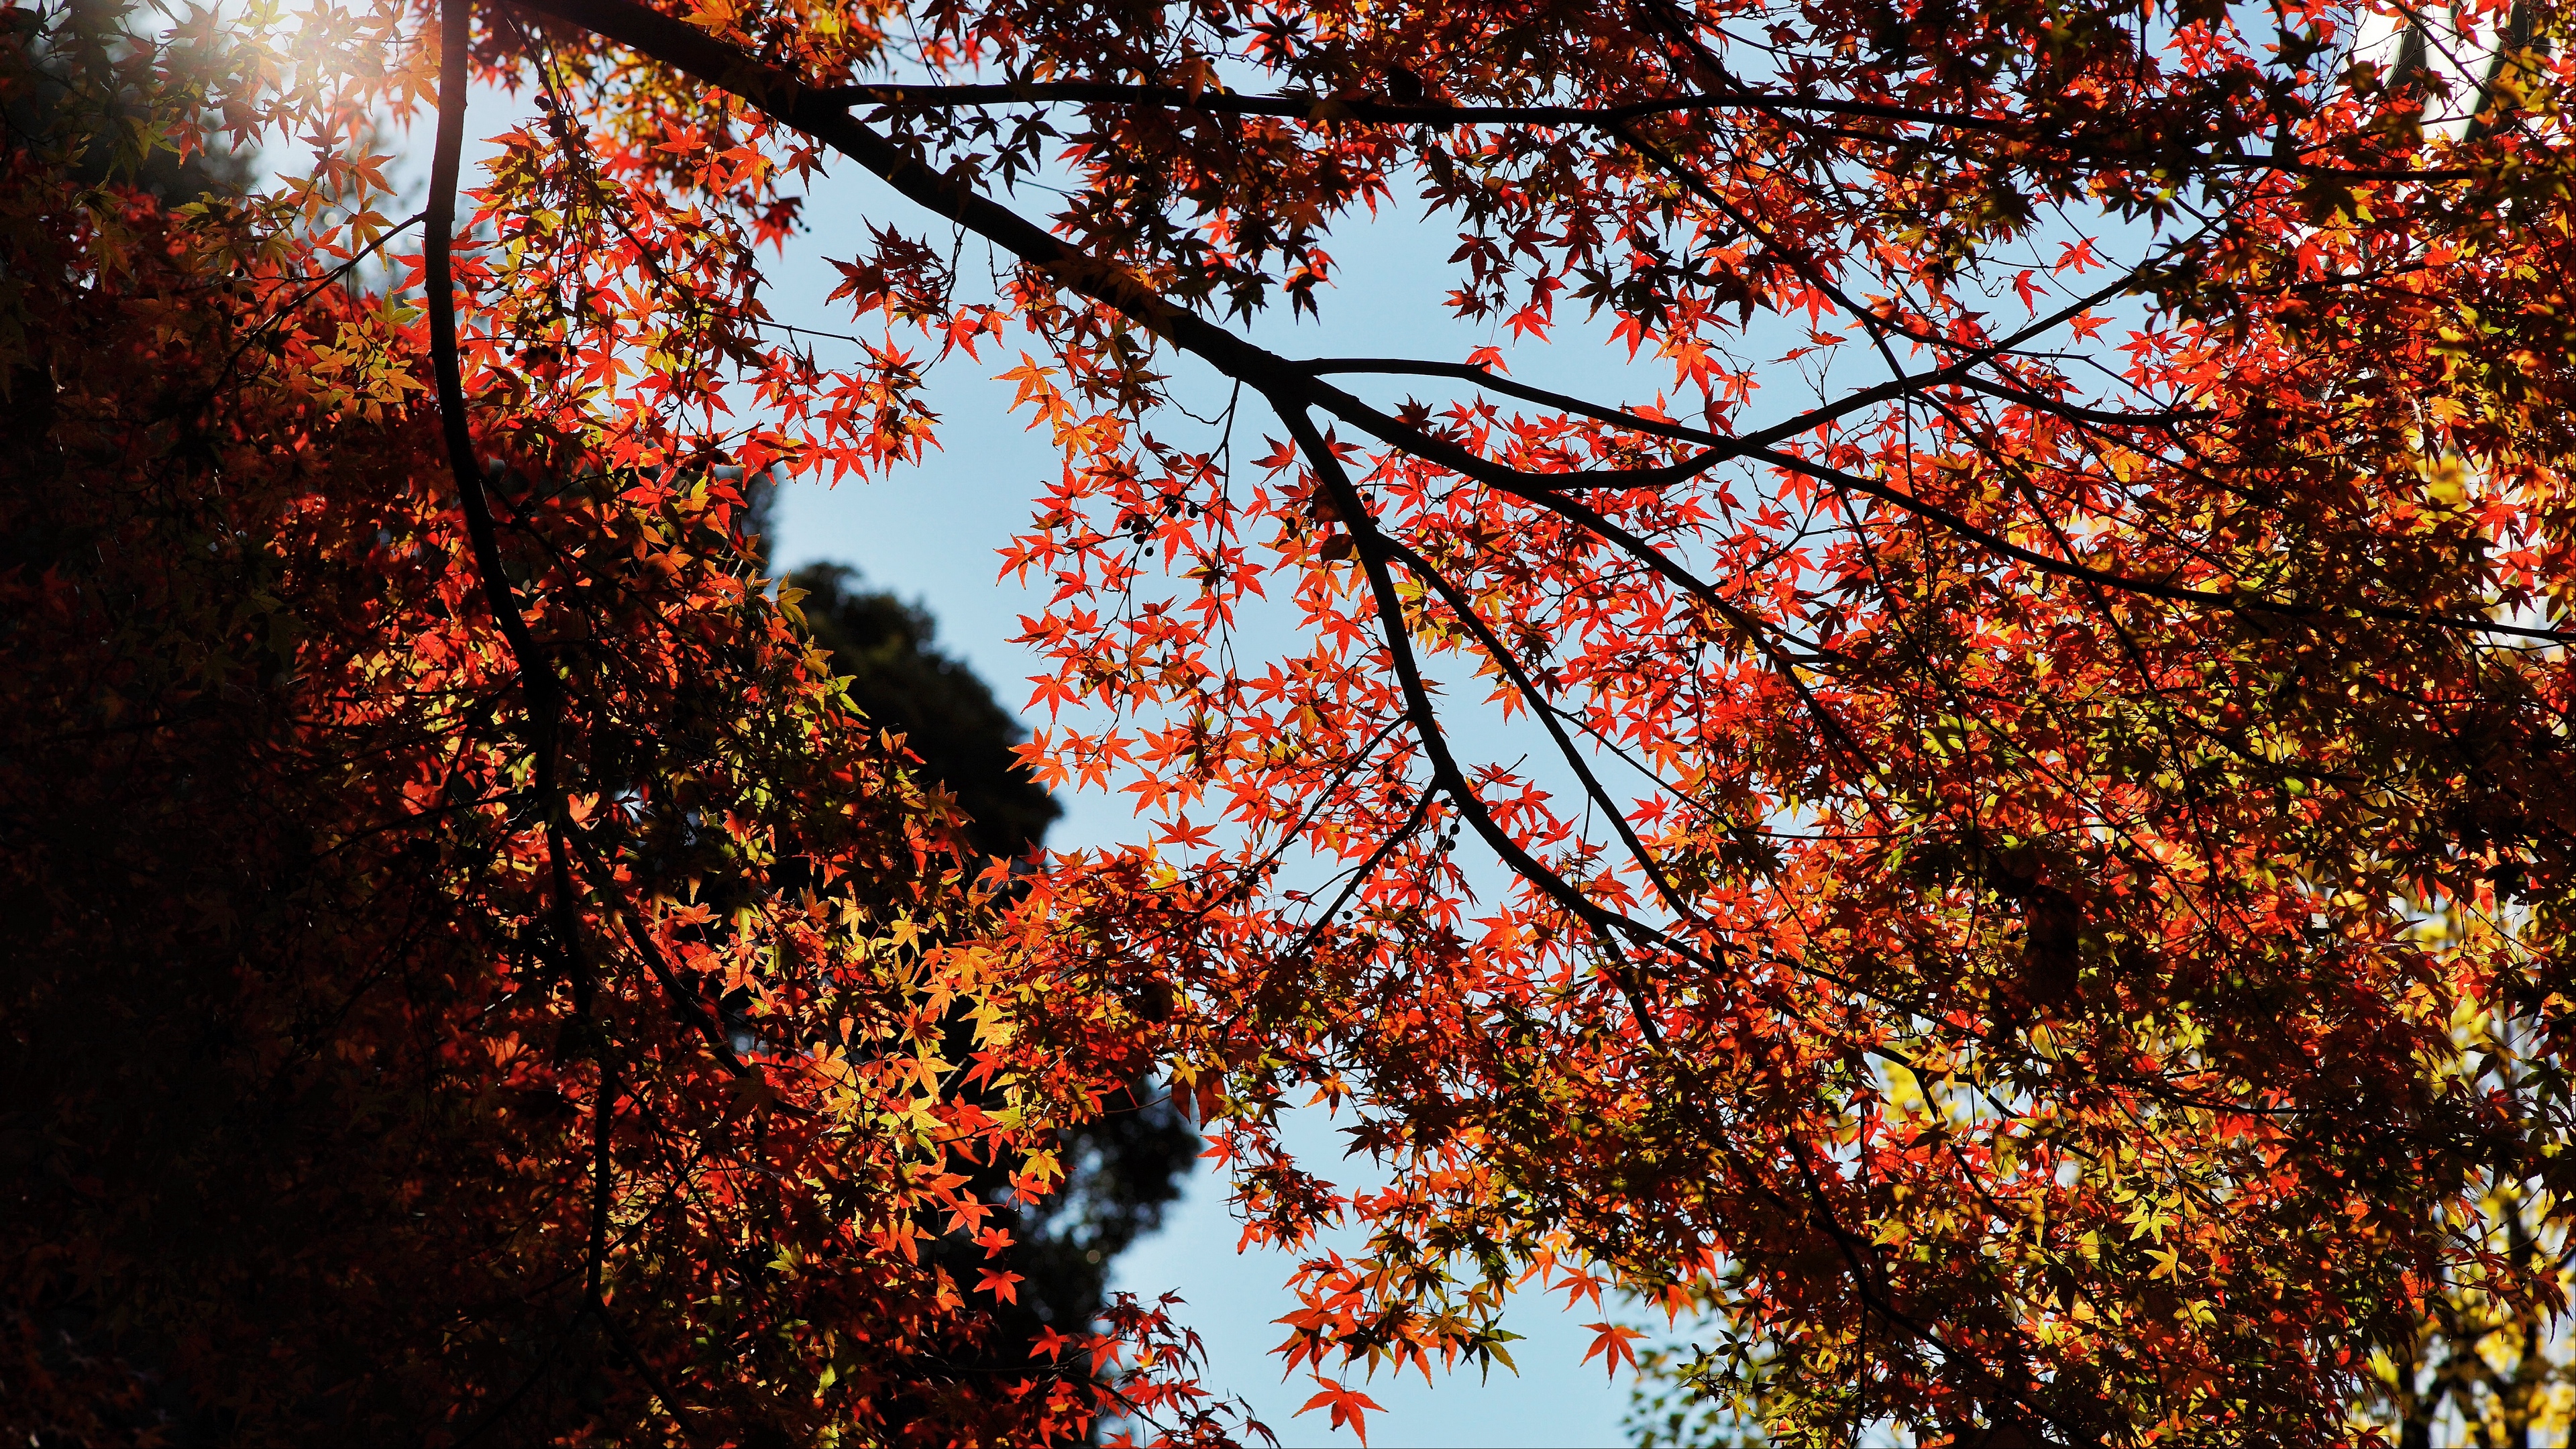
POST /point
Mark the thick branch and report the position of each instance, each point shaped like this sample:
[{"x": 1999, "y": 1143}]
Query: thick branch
[
  {"x": 439, "y": 277},
  {"x": 537, "y": 684}
]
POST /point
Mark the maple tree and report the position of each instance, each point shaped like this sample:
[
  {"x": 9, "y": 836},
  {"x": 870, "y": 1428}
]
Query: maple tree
[
  {"x": 476, "y": 976},
  {"x": 2020, "y": 885}
]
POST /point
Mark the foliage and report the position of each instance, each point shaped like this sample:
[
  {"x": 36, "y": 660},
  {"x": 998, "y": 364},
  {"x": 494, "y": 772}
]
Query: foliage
[
  {"x": 2489, "y": 1354},
  {"x": 1921, "y": 825},
  {"x": 1665, "y": 1411},
  {"x": 85, "y": 98},
  {"x": 358, "y": 1087},
  {"x": 1121, "y": 1167}
]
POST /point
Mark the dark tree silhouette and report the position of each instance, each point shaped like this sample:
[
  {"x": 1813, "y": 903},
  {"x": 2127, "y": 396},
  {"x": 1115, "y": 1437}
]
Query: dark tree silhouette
[{"x": 947, "y": 716}]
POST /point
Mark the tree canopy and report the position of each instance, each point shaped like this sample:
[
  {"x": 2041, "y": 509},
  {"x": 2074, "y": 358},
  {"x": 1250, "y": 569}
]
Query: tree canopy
[{"x": 1982, "y": 820}]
